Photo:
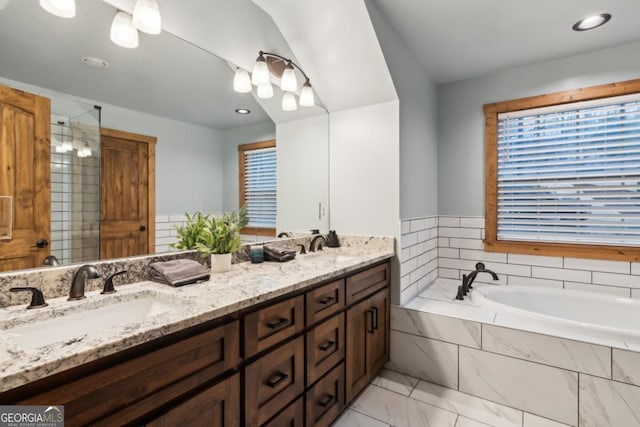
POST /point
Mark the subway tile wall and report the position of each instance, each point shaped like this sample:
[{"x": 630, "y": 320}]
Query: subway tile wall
[{"x": 449, "y": 246}]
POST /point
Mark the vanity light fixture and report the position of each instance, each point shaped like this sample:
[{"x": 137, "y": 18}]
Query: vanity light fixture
[
  {"x": 241, "y": 81},
  {"x": 146, "y": 17},
  {"x": 591, "y": 22},
  {"x": 61, "y": 8},
  {"x": 268, "y": 64},
  {"x": 123, "y": 33},
  {"x": 242, "y": 111},
  {"x": 84, "y": 151}
]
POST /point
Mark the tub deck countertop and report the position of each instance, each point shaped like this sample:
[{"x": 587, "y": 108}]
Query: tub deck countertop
[
  {"x": 225, "y": 293},
  {"x": 439, "y": 298}
]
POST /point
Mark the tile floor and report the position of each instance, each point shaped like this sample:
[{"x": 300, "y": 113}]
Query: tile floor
[{"x": 398, "y": 400}]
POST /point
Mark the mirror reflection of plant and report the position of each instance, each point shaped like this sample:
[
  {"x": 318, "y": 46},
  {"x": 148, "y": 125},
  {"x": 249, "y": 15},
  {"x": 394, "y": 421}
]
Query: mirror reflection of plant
[{"x": 212, "y": 234}]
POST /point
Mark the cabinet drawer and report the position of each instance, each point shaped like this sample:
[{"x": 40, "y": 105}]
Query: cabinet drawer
[
  {"x": 273, "y": 381},
  {"x": 217, "y": 406},
  {"x": 325, "y": 347},
  {"x": 325, "y": 400},
  {"x": 324, "y": 301},
  {"x": 272, "y": 324},
  {"x": 132, "y": 384},
  {"x": 292, "y": 416},
  {"x": 367, "y": 282}
]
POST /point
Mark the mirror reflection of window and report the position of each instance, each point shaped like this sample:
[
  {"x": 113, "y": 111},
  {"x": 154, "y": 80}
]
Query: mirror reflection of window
[{"x": 258, "y": 186}]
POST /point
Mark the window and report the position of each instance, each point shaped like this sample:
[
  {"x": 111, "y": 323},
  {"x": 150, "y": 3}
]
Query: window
[
  {"x": 258, "y": 186},
  {"x": 563, "y": 173}
]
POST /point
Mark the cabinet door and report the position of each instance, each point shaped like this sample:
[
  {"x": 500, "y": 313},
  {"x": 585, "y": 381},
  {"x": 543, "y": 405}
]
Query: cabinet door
[
  {"x": 217, "y": 406},
  {"x": 378, "y": 342},
  {"x": 359, "y": 325}
]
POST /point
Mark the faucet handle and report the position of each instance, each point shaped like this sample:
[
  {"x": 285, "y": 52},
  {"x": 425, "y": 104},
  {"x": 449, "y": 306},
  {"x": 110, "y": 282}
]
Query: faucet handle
[
  {"x": 303, "y": 250},
  {"x": 37, "y": 298},
  {"x": 480, "y": 266},
  {"x": 108, "y": 284}
]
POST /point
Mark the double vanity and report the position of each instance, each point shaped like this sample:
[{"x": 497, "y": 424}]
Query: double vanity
[{"x": 265, "y": 344}]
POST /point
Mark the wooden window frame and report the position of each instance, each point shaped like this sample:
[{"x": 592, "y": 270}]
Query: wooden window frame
[
  {"x": 491, "y": 111},
  {"x": 258, "y": 231}
]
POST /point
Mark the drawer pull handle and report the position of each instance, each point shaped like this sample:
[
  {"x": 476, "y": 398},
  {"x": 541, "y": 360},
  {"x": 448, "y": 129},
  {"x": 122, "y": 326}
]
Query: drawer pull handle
[
  {"x": 277, "y": 379},
  {"x": 375, "y": 318},
  {"x": 371, "y": 328},
  {"x": 328, "y": 301},
  {"x": 277, "y": 324},
  {"x": 326, "y": 401},
  {"x": 326, "y": 346}
]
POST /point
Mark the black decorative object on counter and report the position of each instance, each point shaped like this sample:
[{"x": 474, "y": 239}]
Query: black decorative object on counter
[{"x": 332, "y": 239}]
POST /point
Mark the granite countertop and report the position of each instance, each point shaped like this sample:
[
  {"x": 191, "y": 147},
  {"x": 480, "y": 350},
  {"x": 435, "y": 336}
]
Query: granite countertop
[{"x": 225, "y": 293}]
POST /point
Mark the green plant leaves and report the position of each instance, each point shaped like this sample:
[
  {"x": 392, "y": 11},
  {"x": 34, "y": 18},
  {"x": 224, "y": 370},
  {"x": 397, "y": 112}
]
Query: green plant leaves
[{"x": 210, "y": 234}]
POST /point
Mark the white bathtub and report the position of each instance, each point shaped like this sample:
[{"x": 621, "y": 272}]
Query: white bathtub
[{"x": 564, "y": 311}]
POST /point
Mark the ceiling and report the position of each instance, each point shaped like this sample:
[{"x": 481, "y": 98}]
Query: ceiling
[
  {"x": 164, "y": 76},
  {"x": 461, "y": 39}
]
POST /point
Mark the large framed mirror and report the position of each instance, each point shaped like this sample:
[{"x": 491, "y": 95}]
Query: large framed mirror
[{"x": 169, "y": 100}]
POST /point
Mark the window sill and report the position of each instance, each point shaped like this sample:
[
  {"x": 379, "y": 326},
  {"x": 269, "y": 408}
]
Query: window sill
[
  {"x": 259, "y": 231},
  {"x": 616, "y": 253}
]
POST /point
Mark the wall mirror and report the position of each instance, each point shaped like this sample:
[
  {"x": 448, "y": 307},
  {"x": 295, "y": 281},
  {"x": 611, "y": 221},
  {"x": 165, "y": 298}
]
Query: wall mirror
[{"x": 167, "y": 94}]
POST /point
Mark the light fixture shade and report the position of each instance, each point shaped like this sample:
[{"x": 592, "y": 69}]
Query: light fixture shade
[
  {"x": 307, "y": 99},
  {"x": 265, "y": 91},
  {"x": 260, "y": 75},
  {"x": 66, "y": 146},
  {"x": 123, "y": 33},
  {"x": 61, "y": 8},
  {"x": 289, "y": 82},
  {"x": 289, "y": 102},
  {"x": 84, "y": 151},
  {"x": 146, "y": 16},
  {"x": 241, "y": 81}
]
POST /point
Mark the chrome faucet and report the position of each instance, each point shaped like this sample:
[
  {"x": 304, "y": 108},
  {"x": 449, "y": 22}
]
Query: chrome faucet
[
  {"x": 312, "y": 247},
  {"x": 79, "y": 280}
]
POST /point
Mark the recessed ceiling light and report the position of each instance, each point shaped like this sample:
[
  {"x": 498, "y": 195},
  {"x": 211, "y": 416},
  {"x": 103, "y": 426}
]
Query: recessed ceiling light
[
  {"x": 242, "y": 111},
  {"x": 591, "y": 22},
  {"x": 94, "y": 62}
]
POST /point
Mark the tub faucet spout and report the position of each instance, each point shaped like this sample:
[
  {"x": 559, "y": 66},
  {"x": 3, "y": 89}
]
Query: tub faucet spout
[{"x": 467, "y": 280}]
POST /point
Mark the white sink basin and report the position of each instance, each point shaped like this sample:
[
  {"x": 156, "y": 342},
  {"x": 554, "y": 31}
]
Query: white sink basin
[{"x": 76, "y": 324}]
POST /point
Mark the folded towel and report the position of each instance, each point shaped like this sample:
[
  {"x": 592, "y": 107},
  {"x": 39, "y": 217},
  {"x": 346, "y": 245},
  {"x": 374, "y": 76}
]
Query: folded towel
[
  {"x": 178, "y": 272},
  {"x": 278, "y": 251}
]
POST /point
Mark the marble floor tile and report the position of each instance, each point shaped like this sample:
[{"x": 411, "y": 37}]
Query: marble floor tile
[
  {"x": 401, "y": 411},
  {"x": 444, "y": 328},
  {"x": 424, "y": 358},
  {"x": 469, "y": 406},
  {"x": 395, "y": 381},
  {"x": 605, "y": 403},
  {"x": 468, "y": 422},
  {"x": 568, "y": 354},
  {"x": 531, "y": 387},
  {"x": 531, "y": 420},
  {"x": 351, "y": 418}
]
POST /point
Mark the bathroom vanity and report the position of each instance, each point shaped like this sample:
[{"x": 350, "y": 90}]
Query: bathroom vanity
[{"x": 280, "y": 344}]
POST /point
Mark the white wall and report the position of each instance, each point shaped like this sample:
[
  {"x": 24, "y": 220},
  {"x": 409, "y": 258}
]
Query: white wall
[
  {"x": 303, "y": 175},
  {"x": 461, "y": 119},
  {"x": 418, "y": 109},
  {"x": 232, "y": 138},
  {"x": 188, "y": 156}
]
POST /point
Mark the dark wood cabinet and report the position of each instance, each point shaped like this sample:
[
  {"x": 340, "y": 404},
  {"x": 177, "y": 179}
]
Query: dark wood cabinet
[
  {"x": 216, "y": 406},
  {"x": 305, "y": 356},
  {"x": 367, "y": 341}
]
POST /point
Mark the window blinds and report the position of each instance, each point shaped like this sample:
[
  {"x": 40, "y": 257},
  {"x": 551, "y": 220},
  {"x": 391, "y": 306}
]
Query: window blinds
[
  {"x": 571, "y": 173},
  {"x": 260, "y": 187}
]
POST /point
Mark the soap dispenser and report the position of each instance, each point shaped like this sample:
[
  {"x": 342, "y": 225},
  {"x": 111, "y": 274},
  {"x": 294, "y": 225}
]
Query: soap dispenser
[{"x": 332, "y": 239}]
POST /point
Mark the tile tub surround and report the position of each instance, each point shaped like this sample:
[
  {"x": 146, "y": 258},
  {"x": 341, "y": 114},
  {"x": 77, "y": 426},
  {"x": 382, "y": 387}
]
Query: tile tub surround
[
  {"x": 245, "y": 285},
  {"x": 418, "y": 256},
  {"x": 568, "y": 381}
]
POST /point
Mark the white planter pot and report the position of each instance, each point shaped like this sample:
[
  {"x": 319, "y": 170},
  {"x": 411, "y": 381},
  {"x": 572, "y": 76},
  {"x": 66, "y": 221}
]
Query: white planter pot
[{"x": 220, "y": 263}]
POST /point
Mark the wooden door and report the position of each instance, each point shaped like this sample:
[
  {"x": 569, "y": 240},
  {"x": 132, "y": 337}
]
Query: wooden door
[
  {"x": 127, "y": 199},
  {"x": 378, "y": 343},
  {"x": 217, "y": 406},
  {"x": 25, "y": 176},
  {"x": 359, "y": 324}
]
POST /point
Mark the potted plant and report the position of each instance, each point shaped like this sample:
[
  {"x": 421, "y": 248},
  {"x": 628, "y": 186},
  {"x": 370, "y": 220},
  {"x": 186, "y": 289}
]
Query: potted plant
[{"x": 217, "y": 236}]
